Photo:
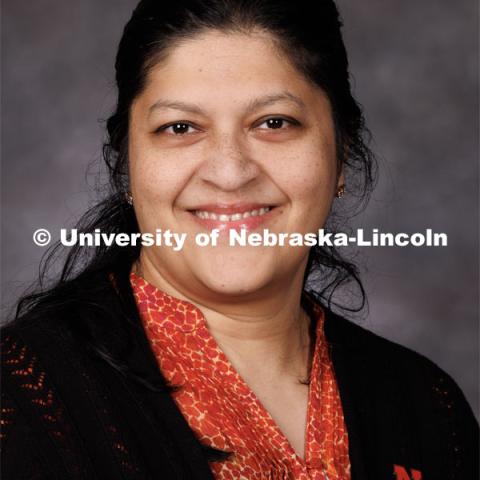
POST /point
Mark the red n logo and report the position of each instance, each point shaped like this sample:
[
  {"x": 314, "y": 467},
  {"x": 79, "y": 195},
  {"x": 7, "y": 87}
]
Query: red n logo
[{"x": 402, "y": 474}]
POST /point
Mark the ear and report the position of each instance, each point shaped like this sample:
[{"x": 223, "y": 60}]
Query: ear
[
  {"x": 341, "y": 179},
  {"x": 340, "y": 164},
  {"x": 340, "y": 190}
]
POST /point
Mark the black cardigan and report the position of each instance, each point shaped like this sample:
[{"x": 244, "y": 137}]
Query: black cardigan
[{"x": 72, "y": 411}]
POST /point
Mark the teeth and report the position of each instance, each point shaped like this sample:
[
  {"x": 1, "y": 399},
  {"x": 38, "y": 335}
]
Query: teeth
[{"x": 231, "y": 218}]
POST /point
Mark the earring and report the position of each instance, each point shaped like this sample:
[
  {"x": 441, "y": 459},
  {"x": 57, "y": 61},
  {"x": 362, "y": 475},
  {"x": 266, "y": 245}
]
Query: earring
[
  {"x": 341, "y": 191},
  {"x": 129, "y": 198}
]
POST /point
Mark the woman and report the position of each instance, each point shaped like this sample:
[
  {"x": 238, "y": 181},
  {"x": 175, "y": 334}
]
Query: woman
[{"x": 215, "y": 361}]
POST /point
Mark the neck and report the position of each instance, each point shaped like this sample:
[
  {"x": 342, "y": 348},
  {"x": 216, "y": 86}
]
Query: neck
[{"x": 264, "y": 336}]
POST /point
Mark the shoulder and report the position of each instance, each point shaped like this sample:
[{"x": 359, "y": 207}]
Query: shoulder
[
  {"x": 403, "y": 396},
  {"x": 387, "y": 354},
  {"x": 404, "y": 405},
  {"x": 89, "y": 330},
  {"x": 389, "y": 363},
  {"x": 34, "y": 366},
  {"x": 38, "y": 351},
  {"x": 49, "y": 341},
  {"x": 77, "y": 314},
  {"x": 55, "y": 389}
]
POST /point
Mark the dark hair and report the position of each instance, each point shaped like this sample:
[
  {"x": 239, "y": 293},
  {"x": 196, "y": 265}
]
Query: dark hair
[{"x": 313, "y": 42}]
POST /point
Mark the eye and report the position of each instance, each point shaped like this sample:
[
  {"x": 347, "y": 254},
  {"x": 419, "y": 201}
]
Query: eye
[
  {"x": 177, "y": 128},
  {"x": 277, "y": 123}
]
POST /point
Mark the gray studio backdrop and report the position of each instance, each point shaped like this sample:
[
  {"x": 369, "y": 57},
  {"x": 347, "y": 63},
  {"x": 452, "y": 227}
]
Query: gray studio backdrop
[{"x": 415, "y": 69}]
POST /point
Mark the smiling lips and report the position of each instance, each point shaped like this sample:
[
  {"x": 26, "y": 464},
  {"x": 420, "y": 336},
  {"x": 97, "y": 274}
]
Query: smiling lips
[{"x": 223, "y": 217}]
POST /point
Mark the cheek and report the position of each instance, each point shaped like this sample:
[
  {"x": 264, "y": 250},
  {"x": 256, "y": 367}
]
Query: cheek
[
  {"x": 156, "y": 181},
  {"x": 307, "y": 175},
  {"x": 156, "y": 178}
]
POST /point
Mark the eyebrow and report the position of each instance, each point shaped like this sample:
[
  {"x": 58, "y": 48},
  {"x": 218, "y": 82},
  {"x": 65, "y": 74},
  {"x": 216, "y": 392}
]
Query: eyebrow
[
  {"x": 253, "y": 105},
  {"x": 175, "y": 105},
  {"x": 268, "y": 100}
]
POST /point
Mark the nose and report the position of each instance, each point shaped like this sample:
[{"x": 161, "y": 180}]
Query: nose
[{"x": 229, "y": 163}]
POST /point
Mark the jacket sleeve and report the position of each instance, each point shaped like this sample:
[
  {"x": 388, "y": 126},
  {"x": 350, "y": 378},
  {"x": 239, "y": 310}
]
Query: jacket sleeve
[
  {"x": 20, "y": 458},
  {"x": 458, "y": 425},
  {"x": 33, "y": 438}
]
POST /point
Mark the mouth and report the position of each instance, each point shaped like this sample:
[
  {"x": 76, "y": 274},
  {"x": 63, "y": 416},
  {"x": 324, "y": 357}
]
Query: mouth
[
  {"x": 239, "y": 216},
  {"x": 224, "y": 217}
]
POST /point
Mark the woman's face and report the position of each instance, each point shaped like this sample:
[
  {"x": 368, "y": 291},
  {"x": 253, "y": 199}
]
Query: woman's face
[{"x": 228, "y": 134}]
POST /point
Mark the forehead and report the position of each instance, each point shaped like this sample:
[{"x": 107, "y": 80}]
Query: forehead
[
  {"x": 216, "y": 47},
  {"x": 221, "y": 62}
]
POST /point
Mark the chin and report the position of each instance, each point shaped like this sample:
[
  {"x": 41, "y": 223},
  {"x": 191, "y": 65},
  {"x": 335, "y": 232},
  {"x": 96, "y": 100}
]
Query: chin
[
  {"x": 233, "y": 287},
  {"x": 234, "y": 276}
]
